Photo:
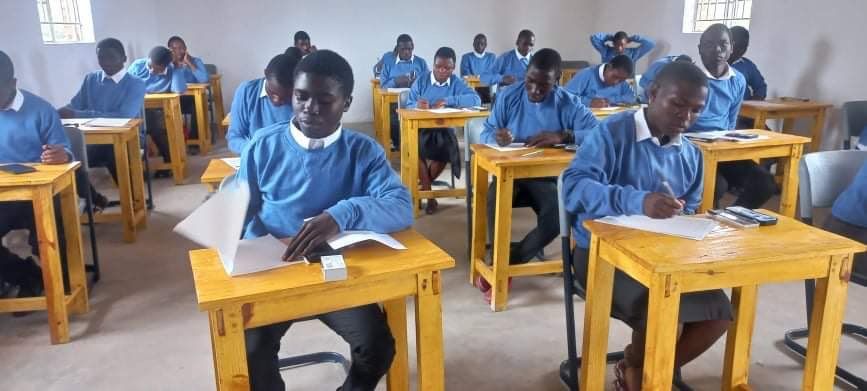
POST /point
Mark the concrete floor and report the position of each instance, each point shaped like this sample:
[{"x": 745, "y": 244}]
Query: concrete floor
[{"x": 144, "y": 331}]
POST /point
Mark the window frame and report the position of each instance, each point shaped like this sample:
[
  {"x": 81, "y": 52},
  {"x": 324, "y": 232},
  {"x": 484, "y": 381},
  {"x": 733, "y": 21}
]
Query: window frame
[
  {"x": 693, "y": 10},
  {"x": 76, "y": 13}
]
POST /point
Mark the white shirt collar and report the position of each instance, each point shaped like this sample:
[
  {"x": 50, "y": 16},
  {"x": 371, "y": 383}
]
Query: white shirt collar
[
  {"x": 398, "y": 60},
  {"x": 263, "y": 93},
  {"x": 17, "y": 102},
  {"x": 433, "y": 81},
  {"x": 728, "y": 75},
  {"x": 642, "y": 131},
  {"x": 478, "y": 55},
  {"x": 602, "y": 73},
  {"x": 518, "y": 54},
  {"x": 304, "y": 141},
  {"x": 117, "y": 77}
]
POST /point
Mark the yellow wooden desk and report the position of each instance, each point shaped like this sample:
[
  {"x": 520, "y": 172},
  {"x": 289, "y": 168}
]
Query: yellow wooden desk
[
  {"x": 567, "y": 75},
  {"x": 216, "y": 82},
  {"x": 788, "y": 148},
  {"x": 227, "y": 120},
  {"x": 214, "y": 174},
  {"x": 472, "y": 81},
  {"x": 376, "y": 275},
  {"x": 39, "y": 188},
  {"x": 506, "y": 167},
  {"x": 170, "y": 103},
  {"x": 411, "y": 121},
  {"x": 602, "y": 113},
  {"x": 383, "y": 131},
  {"x": 127, "y": 154},
  {"x": 740, "y": 259},
  {"x": 789, "y": 110},
  {"x": 199, "y": 92},
  {"x": 374, "y": 92}
]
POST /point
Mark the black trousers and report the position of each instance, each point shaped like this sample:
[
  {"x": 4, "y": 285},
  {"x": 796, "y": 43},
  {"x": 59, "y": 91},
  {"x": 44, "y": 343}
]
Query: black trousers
[
  {"x": 103, "y": 156},
  {"x": 541, "y": 195},
  {"x": 756, "y": 183},
  {"x": 395, "y": 126},
  {"x": 19, "y": 215},
  {"x": 188, "y": 106},
  {"x": 364, "y": 328},
  {"x": 156, "y": 124}
]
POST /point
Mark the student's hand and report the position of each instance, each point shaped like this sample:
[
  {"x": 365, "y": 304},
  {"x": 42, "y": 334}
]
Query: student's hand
[
  {"x": 65, "y": 112},
  {"x": 598, "y": 103},
  {"x": 440, "y": 104},
  {"x": 54, "y": 154},
  {"x": 506, "y": 80},
  {"x": 402, "y": 81},
  {"x": 188, "y": 61},
  {"x": 503, "y": 136},
  {"x": 312, "y": 234},
  {"x": 661, "y": 206},
  {"x": 313, "y": 48},
  {"x": 423, "y": 104},
  {"x": 545, "y": 139}
]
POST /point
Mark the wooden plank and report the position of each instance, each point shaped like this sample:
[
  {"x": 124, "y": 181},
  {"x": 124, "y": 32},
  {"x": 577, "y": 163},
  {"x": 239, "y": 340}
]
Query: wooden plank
[
  {"x": 480, "y": 217},
  {"x": 736, "y": 367},
  {"x": 536, "y": 268},
  {"x": 823, "y": 343},
  {"x": 125, "y": 178},
  {"x": 502, "y": 240},
  {"x": 74, "y": 249},
  {"x": 663, "y": 305},
  {"x": 46, "y": 231},
  {"x": 429, "y": 333},
  {"x": 230, "y": 354},
  {"x": 398, "y": 374},
  {"x": 597, "y": 312},
  {"x": 456, "y": 193}
]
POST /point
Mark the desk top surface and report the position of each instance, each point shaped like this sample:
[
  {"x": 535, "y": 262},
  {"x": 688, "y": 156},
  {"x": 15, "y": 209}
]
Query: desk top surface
[
  {"x": 133, "y": 124},
  {"x": 45, "y": 174},
  {"x": 217, "y": 170},
  {"x": 162, "y": 95},
  {"x": 774, "y": 139},
  {"x": 555, "y": 156},
  {"x": 783, "y": 104},
  {"x": 413, "y": 114}
]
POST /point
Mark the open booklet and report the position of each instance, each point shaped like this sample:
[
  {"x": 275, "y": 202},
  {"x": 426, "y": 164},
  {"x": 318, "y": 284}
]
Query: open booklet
[
  {"x": 510, "y": 147},
  {"x": 96, "y": 122},
  {"x": 724, "y": 135},
  {"x": 689, "y": 227}
]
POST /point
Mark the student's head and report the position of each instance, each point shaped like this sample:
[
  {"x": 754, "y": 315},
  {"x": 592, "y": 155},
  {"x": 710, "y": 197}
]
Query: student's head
[
  {"x": 280, "y": 77},
  {"x": 178, "y": 47},
  {"x": 715, "y": 46},
  {"x": 323, "y": 92},
  {"x": 444, "y": 64},
  {"x": 617, "y": 70},
  {"x": 480, "y": 43},
  {"x": 294, "y": 52},
  {"x": 740, "y": 42},
  {"x": 683, "y": 58},
  {"x": 542, "y": 75},
  {"x": 111, "y": 56},
  {"x": 159, "y": 58},
  {"x": 677, "y": 97},
  {"x": 619, "y": 41},
  {"x": 8, "y": 84},
  {"x": 302, "y": 41},
  {"x": 404, "y": 47},
  {"x": 525, "y": 42}
]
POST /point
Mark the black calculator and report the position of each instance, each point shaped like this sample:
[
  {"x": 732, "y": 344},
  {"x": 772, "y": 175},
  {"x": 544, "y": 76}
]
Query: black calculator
[{"x": 758, "y": 217}]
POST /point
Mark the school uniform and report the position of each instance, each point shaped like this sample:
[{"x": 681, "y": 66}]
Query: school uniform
[
  {"x": 590, "y": 84},
  {"x": 377, "y": 68},
  {"x": 251, "y": 111},
  {"x": 199, "y": 75},
  {"x": 645, "y": 45},
  {"x": 168, "y": 81},
  {"x": 392, "y": 68},
  {"x": 649, "y": 75},
  {"x": 559, "y": 111},
  {"x": 618, "y": 165},
  {"x": 849, "y": 216},
  {"x": 756, "y": 89},
  {"x": 291, "y": 178},
  {"x": 481, "y": 65},
  {"x": 510, "y": 63}
]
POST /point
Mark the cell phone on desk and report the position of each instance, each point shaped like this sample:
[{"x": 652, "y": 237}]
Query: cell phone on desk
[
  {"x": 16, "y": 168},
  {"x": 743, "y": 136},
  {"x": 761, "y": 218}
]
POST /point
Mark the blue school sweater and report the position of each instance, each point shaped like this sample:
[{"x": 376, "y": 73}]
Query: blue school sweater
[
  {"x": 393, "y": 67},
  {"x": 560, "y": 110},
  {"x": 649, "y": 75},
  {"x": 171, "y": 81},
  {"x": 28, "y": 124},
  {"x": 455, "y": 92},
  {"x": 509, "y": 63},
  {"x": 620, "y": 163},
  {"x": 588, "y": 84},
  {"x": 383, "y": 59},
  {"x": 483, "y": 66},
  {"x": 851, "y": 205},
  {"x": 724, "y": 98},
  {"x": 200, "y": 75},
  {"x": 350, "y": 179},
  {"x": 252, "y": 110},
  {"x": 608, "y": 52},
  {"x": 862, "y": 139},
  {"x": 101, "y": 96},
  {"x": 758, "y": 89}
]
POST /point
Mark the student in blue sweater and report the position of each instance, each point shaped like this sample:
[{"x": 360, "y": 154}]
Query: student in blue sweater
[
  {"x": 301, "y": 41},
  {"x": 312, "y": 167},
  {"x": 538, "y": 113},
  {"x": 620, "y": 170},
  {"x": 605, "y": 84},
  {"x": 400, "y": 71},
  {"x": 438, "y": 89},
  {"x": 849, "y": 216},
  {"x": 757, "y": 89},
  {"x": 649, "y": 75},
  {"x": 610, "y": 45},
  {"x": 385, "y": 57},
  {"x": 194, "y": 71},
  {"x": 261, "y": 102},
  {"x": 511, "y": 66},
  {"x": 724, "y": 99},
  {"x": 159, "y": 75},
  {"x": 479, "y": 62}
]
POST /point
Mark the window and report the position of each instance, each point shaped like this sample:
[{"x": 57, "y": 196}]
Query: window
[
  {"x": 698, "y": 15},
  {"x": 65, "y": 21}
]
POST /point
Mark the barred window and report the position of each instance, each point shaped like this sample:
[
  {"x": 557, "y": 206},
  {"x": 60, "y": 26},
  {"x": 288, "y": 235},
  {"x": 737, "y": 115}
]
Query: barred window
[
  {"x": 698, "y": 15},
  {"x": 65, "y": 21}
]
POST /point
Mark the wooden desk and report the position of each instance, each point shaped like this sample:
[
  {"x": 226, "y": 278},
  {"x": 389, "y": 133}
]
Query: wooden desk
[
  {"x": 789, "y": 111},
  {"x": 227, "y": 120},
  {"x": 374, "y": 92},
  {"x": 130, "y": 176},
  {"x": 214, "y": 174},
  {"x": 740, "y": 259},
  {"x": 567, "y": 75},
  {"x": 39, "y": 188},
  {"x": 787, "y": 148},
  {"x": 411, "y": 122},
  {"x": 472, "y": 81},
  {"x": 383, "y": 131},
  {"x": 601, "y": 114},
  {"x": 376, "y": 275},
  {"x": 216, "y": 82},
  {"x": 506, "y": 167},
  {"x": 170, "y": 103},
  {"x": 199, "y": 91}
]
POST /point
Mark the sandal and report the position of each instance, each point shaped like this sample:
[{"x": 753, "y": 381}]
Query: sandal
[{"x": 620, "y": 376}]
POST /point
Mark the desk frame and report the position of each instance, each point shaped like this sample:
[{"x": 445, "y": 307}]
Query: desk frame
[
  {"x": 199, "y": 92},
  {"x": 170, "y": 103},
  {"x": 219, "y": 110},
  {"x": 789, "y": 112}
]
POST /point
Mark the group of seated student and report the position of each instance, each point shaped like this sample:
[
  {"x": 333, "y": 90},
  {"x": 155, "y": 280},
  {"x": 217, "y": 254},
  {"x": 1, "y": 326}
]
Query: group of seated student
[
  {"x": 400, "y": 69},
  {"x": 605, "y": 84}
]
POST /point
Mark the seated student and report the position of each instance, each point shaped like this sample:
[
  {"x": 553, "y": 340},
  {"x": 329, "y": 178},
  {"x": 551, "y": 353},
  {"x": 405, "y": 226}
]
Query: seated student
[
  {"x": 437, "y": 89},
  {"x": 649, "y": 75},
  {"x": 511, "y": 66},
  {"x": 726, "y": 92},
  {"x": 386, "y": 57},
  {"x": 159, "y": 76},
  {"x": 609, "y": 45},
  {"x": 538, "y": 113},
  {"x": 605, "y": 84},
  {"x": 108, "y": 93},
  {"x": 479, "y": 62},
  {"x": 849, "y": 216},
  {"x": 618, "y": 172},
  {"x": 757, "y": 89},
  {"x": 312, "y": 166},
  {"x": 261, "y": 102},
  {"x": 401, "y": 71},
  {"x": 862, "y": 140},
  {"x": 194, "y": 71},
  {"x": 302, "y": 42}
]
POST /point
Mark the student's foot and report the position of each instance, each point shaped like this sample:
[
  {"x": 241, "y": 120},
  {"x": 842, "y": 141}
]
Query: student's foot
[
  {"x": 162, "y": 173},
  {"x": 431, "y": 207},
  {"x": 485, "y": 287},
  {"x": 100, "y": 202},
  {"x": 32, "y": 288}
]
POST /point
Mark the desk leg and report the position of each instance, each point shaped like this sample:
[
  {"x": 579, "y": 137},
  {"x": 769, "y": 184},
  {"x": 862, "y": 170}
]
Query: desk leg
[
  {"x": 409, "y": 160},
  {"x": 203, "y": 123},
  {"x": 502, "y": 240},
  {"x": 736, "y": 368},
  {"x": 663, "y": 305},
  {"x": 177, "y": 145},
  {"x": 398, "y": 374},
  {"x": 429, "y": 333},
  {"x": 597, "y": 313},
  {"x": 230, "y": 353},
  {"x": 136, "y": 175},
  {"x": 385, "y": 125},
  {"x": 789, "y": 168},
  {"x": 74, "y": 248},
  {"x": 219, "y": 111},
  {"x": 761, "y": 120},
  {"x": 823, "y": 343},
  {"x": 710, "y": 168},
  {"x": 817, "y": 130},
  {"x": 480, "y": 220},
  {"x": 124, "y": 184},
  {"x": 43, "y": 209}
]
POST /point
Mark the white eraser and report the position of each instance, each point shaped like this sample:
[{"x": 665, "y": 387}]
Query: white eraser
[{"x": 333, "y": 268}]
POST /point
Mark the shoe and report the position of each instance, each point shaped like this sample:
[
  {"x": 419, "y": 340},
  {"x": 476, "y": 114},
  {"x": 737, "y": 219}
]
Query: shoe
[
  {"x": 431, "y": 207},
  {"x": 485, "y": 287},
  {"x": 162, "y": 173},
  {"x": 100, "y": 202},
  {"x": 33, "y": 287}
]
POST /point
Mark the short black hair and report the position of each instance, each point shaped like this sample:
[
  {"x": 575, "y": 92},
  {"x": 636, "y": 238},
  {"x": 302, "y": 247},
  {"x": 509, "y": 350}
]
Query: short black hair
[
  {"x": 526, "y": 34},
  {"x": 480, "y": 35},
  {"x": 620, "y": 35},
  {"x": 7, "y": 70},
  {"x": 160, "y": 55},
  {"x": 546, "y": 60},
  {"x": 282, "y": 69},
  {"x": 175, "y": 38},
  {"x": 294, "y": 52},
  {"x": 403, "y": 38},
  {"x": 111, "y": 43},
  {"x": 301, "y": 35},
  {"x": 740, "y": 34},
  {"x": 681, "y": 72},
  {"x": 328, "y": 64},
  {"x": 716, "y": 27},
  {"x": 683, "y": 58},
  {"x": 622, "y": 62},
  {"x": 446, "y": 52}
]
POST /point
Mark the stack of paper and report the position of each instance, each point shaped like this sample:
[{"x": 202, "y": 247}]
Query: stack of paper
[
  {"x": 445, "y": 110},
  {"x": 695, "y": 228},
  {"x": 397, "y": 90},
  {"x": 75, "y": 121},
  {"x": 510, "y": 147},
  {"x": 109, "y": 122}
]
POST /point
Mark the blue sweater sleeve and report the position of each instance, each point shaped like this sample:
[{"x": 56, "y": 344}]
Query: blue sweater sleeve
[
  {"x": 646, "y": 45},
  {"x": 464, "y": 95},
  {"x": 386, "y": 80},
  {"x": 414, "y": 93},
  {"x": 583, "y": 122},
  {"x": 498, "y": 70},
  {"x": 239, "y": 125},
  {"x": 495, "y": 121},
  {"x": 692, "y": 198},
  {"x": 51, "y": 131},
  {"x": 735, "y": 109},
  {"x": 626, "y": 94},
  {"x": 179, "y": 83},
  {"x": 201, "y": 73},
  {"x": 598, "y": 42},
  {"x": 758, "y": 84},
  {"x": 77, "y": 104},
  {"x": 465, "y": 65}
]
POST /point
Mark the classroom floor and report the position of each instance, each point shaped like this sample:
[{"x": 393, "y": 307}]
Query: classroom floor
[{"x": 144, "y": 331}]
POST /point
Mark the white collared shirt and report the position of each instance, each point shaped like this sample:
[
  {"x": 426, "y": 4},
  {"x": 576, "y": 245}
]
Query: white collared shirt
[
  {"x": 602, "y": 72},
  {"x": 304, "y": 141},
  {"x": 433, "y": 81},
  {"x": 117, "y": 77},
  {"x": 479, "y": 55},
  {"x": 728, "y": 75},
  {"x": 520, "y": 57},
  {"x": 17, "y": 102},
  {"x": 264, "y": 92},
  {"x": 397, "y": 59},
  {"x": 642, "y": 131}
]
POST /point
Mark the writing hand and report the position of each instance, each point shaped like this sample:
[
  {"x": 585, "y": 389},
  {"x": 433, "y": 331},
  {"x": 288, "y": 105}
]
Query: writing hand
[{"x": 313, "y": 233}]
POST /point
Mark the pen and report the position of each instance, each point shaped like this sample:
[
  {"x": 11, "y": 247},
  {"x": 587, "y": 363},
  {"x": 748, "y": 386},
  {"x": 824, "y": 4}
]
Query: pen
[
  {"x": 534, "y": 153},
  {"x": 668, "y": 189}
]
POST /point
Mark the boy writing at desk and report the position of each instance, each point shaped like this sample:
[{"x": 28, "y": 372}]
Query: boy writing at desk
[
  {"x": 312, "y": 167},
  {"x": 605, "y": 84}
]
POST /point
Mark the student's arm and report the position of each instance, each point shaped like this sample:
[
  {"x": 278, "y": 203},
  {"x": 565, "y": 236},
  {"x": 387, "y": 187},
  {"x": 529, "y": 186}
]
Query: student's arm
[
  {"x": 385, "y": 78},
  {"x": 625, "y": 94},
  {"x": 179, "y": 83},
  {"x": 758, "y": 84},
  {"x": 238, "y": 134},
  {"x": 582, "y": 123},
  {"x": 598, "y": 41},
  {"x": 645, "y": 45},
  {"x": 465, "y": 65},
  {"x": 415, "y": 93},
  {"x": 497, "y": 120},
  {"x": 464, "y": 95},
  {"x": 578, "y": 87},
  {"x": 423, "y": 67},
  {"x": 51, "y": 132},
  {"x": 200, "y": 73},
  {"x": 692, "y": 198},
  {"x": 735, "y": 108},
  {"x": 77, "y": 104},
  {"x": 497, "y": 70}
]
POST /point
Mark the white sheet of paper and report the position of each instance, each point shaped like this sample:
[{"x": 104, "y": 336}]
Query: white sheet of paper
[
  {"x": 695, "y": 228},
  {"x": 109, "y": 122},
  {"x": 445, "y": 110},
  {"x": 510, "y": 147},
  {"x": 721, "y": 135},
  {"x": 347, "y": 238},
  {"x": 613, "y": 108},
  {"x": 398, "y": 90},
  {"x": 75, "y": 121},
  {"x": 234, "y": 162},
  {"x": 259, "y": 254}
]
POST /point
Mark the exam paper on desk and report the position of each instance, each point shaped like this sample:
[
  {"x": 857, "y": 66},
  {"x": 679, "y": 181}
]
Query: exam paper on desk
[{"x": 695, "y": 228}]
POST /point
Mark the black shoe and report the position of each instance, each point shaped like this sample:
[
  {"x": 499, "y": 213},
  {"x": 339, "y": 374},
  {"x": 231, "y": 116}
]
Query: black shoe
[
  {"x": 162, "y": 174},
  {"x": 100, "y": 202},
  {"x": 32, "y": 287},
  {"x": 564, "y": 373}
]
